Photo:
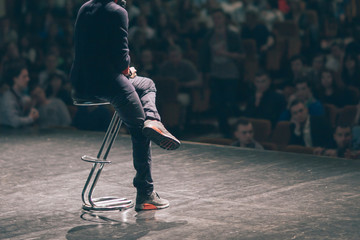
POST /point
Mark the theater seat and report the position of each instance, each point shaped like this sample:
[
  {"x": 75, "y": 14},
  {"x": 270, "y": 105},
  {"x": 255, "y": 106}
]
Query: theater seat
[{"x": 299, "y": 149}]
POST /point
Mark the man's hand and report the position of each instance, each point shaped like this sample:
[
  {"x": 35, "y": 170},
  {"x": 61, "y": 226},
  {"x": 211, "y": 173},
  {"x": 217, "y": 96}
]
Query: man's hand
[
  {"x": 132, "y": 72},
  {"x": 34, "y": 114},
  {"x": 330, "y": 153},
  {"x": 319, "y": 151}
]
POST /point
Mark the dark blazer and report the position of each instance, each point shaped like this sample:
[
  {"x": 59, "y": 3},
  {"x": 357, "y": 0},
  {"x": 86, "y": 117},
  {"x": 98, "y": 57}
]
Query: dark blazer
[
  {"x": 101, "y": 47},
  {"x": 272, "y": 104},
  {"x": 320, "y": 133}
]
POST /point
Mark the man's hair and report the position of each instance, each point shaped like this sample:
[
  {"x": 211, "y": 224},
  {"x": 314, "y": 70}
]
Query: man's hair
[
  {"x": 243, "y": 122},
  {"x": 296, "y": 57},
  {"x": 296, "y": 102},
  {"x": 262, "y": 72},
  {"x": 12, "y": 69},
  {"x": 216, "y": 10},
  {"x": 342, "y": 125},
  {"x": 301, "y": 80}
]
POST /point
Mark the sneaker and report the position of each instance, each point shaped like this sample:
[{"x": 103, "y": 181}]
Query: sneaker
[
  {"x": 152, "y": 202},
  {"x": 157, "y": 133}
]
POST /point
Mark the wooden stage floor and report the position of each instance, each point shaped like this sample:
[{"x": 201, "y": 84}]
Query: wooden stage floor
[{"x": 215, "y": 192}]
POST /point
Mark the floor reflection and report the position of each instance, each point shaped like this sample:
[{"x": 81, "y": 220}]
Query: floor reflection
[{"x": 119, "y": 225}]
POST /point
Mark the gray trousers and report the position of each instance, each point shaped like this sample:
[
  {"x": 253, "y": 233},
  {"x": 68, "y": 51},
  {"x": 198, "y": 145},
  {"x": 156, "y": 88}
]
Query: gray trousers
[{"x": 134, "y": 100}]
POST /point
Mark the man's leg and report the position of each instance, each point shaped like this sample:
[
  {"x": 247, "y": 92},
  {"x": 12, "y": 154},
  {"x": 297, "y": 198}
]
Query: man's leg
[
  {"x": 130, "y": 109},
  {"x": 131, "y": 113},
  {"x": 153, "y": 128}
]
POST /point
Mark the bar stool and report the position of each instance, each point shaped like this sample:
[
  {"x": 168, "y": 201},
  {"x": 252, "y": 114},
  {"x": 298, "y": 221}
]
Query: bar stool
[{"x": 109, "y": 203}]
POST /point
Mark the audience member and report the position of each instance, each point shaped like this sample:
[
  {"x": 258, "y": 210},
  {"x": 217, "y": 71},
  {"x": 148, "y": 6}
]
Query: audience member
[
  {"x": 53, "y": 111},
  {"x": 244, "y": 134},
  {"x": 304, "y": 94},
  {"x": 331, "y": 91},
  {"x": 253, "y": 29},
  {"x": 341, "y": 144},
  {"x": 142, "y": 26},
  {"x": 307, "y": 130},
  {"x": 51, "y": 68},
  {"x": 147, "y": 66},
  {"x": 15, "y": 105},
  {"x": 298, "y": 70},
  {"x": 7, "y": 32},
  {"x": 318, "y": 63},
  {"x": 335, "y": 59},
  {"x": 186, "y": 76},
  {"x": 56, "y": 89},
  {"x": 264, "y": 102},
  {"x": 271, "y": 14},
  {"x": 182, "y": 70},
  {"x": 350, "y": 72},
  {"x": 219, "y": 60}
]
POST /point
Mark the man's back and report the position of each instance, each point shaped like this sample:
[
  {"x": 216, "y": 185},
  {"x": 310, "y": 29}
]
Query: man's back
[{"x": 101, "y": 46}]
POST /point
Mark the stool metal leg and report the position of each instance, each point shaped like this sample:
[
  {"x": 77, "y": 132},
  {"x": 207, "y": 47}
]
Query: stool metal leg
[{"x": 103, "y": 203}]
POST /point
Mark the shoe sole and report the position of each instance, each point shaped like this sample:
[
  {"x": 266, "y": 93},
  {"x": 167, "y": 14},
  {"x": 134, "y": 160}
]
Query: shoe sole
[
  {"x": 149, "y": 206},
  {"x": 160, "y": 139}
]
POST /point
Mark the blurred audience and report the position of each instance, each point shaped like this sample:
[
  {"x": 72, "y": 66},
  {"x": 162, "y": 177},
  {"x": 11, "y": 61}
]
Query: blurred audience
[{"x": 322, "y": 45}]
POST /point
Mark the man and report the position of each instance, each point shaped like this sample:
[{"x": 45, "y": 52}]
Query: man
[
  {"x": 304, "y": 93},
  {"x": 53, "y": 111},
  {"x": 101, "y": 70},
  {"x": 220, "y": 55},
  {"x": 306, "y": 130},
  {"x": 341, "y": 142},
  {"x": 264, "y": 102},
  {"x": 245, "y": 135},
  {"x": 186, "y": 77},
  {"x": 341, "y": 145},
  {"x": 51, "y": 68},
  {"x": 15, "y": 106}
]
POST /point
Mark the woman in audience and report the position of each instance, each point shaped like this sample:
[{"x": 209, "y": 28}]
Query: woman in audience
[
  {"x": 351, "y": 73},
  {"x": 56, "y": 89},
  {"x": 331, "y": 91}
]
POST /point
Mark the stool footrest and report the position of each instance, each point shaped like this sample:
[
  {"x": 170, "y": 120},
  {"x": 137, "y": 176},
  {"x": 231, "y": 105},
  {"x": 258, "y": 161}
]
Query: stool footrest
[
  {"x": 87, "y": 158},
  {"x": 109, "y": 204}
]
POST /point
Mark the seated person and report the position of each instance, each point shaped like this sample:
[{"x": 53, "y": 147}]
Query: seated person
[
  {"x": 264, "y": 102},
  {"x": 51, "y": 67},
  {"x": 52, "y": 111},
  {"x": 308, "y": 130},
  {"x": 182, "y": 70},
  {"x": 331, "y": 91},
  {"x": 186, "y": 77},
  {"x": 56, "y": 89},
  {"x": 304, "y": 94},
  {"x": 341, "y": 146},
  {"x": 15, "y": 105},
  {"x": 245, "y": 135}
]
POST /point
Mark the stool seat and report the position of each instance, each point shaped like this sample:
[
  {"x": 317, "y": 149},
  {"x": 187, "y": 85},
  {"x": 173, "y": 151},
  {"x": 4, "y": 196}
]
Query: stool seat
[{"x": 89, "y": 102}]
